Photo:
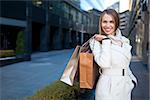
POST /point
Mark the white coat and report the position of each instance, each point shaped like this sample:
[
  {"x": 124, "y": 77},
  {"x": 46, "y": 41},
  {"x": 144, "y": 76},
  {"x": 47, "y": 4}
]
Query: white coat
[{"x": 113, "y": 59}]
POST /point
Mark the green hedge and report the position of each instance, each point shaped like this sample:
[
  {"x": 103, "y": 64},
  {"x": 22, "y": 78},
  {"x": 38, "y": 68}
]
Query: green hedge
[
  {"x": 7, "y": 53},
  {"x": 61, "y": 91},
  {"x": 20, "y": 45}
]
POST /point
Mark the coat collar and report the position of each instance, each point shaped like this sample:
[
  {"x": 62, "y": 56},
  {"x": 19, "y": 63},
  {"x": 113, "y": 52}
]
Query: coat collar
[
  {"x": 125, "y": 50},
  {"x": 118, "y": 37}
]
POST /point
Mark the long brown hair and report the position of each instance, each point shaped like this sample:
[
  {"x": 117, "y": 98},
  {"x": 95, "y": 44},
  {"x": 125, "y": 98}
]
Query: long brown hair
[{"x": 114, "y": 14}]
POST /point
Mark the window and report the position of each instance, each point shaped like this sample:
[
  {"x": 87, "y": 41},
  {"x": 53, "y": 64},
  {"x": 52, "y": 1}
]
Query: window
[
  {"x": 73, "y": 13},
  {"x": 66, "y": 10},
  {"x": 80, "y": 18}
]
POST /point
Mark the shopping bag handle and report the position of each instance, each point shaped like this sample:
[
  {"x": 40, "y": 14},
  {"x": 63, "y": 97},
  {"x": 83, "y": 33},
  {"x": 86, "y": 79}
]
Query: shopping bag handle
[
  {"x": 85, "y": 45},
  {"x": 87, "y": 42}
]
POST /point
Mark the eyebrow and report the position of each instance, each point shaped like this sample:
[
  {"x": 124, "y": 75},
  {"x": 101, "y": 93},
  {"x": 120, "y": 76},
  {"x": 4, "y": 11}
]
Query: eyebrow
[{"x": 108, "y": 21}]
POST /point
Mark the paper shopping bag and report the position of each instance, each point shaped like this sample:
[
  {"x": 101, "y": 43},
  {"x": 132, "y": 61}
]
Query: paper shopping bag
[
  {"x": 71, "y": 68},
  {"x": 89, "y": 70}
]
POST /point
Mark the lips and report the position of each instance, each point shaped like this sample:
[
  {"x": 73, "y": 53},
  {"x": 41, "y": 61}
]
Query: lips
[{"x": 108, "y": 30}]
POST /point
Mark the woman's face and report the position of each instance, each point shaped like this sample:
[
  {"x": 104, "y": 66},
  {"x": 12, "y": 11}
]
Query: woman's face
[{"x": 108, "y": 24}]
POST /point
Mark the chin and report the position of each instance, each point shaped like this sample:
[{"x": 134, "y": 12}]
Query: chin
[{"x": 107, "y": 33}]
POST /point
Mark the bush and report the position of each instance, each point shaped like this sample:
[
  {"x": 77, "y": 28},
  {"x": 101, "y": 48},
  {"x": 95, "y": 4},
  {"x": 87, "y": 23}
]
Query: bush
[
  {"x": 20, "y": 44},
  {"x": 60, "y": 91}
]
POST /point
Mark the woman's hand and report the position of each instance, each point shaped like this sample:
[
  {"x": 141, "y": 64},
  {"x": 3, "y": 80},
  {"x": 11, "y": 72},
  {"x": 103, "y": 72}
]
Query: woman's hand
[{"x": 99, "y": 37}]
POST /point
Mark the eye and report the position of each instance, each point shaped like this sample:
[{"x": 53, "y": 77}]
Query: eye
[
  {"x": 112, "y": 22},
  {"x": 104, "y": 21}
]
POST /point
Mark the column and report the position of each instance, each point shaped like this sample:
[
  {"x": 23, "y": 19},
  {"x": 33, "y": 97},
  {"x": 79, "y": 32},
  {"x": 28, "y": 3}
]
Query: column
[
  {"x": 66, "y": 39},
  {"x": 58, "y": 37},
  {"x": 44, "y": 34},
  {"x": 28, "y": 31},
  {"x": 44, "y": 38}
]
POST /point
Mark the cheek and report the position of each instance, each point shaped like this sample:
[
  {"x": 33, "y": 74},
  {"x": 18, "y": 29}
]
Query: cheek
[
  {"x": 113, "y": 25},
  {"x": 102, "y": 26}
]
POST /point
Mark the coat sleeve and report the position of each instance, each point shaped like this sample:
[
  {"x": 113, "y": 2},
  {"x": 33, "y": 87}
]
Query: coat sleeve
[
  {"x": 102, "y": 52},
  {"x": 128, "y": 48}
]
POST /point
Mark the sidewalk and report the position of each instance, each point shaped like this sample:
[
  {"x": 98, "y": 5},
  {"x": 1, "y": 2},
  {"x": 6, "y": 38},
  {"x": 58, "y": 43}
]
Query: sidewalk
[
  {"x": 25, "y": 78},
  {"x": 141, "y": 92}
]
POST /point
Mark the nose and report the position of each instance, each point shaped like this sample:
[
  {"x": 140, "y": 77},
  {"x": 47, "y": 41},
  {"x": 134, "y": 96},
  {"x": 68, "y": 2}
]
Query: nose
[{"x": 107, "y": 24}]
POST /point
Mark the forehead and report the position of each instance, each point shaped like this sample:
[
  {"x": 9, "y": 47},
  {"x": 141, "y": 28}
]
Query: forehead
[{"x": 108, "y": 17}]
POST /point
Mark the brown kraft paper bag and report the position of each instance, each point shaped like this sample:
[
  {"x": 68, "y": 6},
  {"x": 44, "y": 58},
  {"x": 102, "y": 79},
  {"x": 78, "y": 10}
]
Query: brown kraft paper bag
[{"x": 88, "y": 69}]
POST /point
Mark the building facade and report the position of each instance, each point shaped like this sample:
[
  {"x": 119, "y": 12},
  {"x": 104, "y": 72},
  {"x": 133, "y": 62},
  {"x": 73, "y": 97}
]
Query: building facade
[
  {"x": 139, "y": 29},
  {"x": 45, "y": 25}
]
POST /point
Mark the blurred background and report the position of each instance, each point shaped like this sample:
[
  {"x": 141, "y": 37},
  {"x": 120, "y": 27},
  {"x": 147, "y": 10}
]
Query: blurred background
[
  {"x": 44, "y": 25},
  {"x": 44, "y": 33}
]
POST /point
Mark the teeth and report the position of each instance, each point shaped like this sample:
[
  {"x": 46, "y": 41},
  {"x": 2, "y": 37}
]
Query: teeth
[{"x": 107, "y": 29}]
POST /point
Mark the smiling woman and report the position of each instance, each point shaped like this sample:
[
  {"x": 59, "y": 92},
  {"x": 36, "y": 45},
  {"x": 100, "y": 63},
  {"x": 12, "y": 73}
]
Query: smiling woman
[{"x": 112, "y": 52}]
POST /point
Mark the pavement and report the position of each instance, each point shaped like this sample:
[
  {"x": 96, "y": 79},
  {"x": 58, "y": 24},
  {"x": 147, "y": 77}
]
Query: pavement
[
  {"x": 23, "y": 79},
  {"x": 141, "y": 91}
]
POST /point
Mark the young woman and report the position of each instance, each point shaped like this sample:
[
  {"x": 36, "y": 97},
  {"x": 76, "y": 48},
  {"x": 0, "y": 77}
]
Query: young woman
[{"x": 112, "y": 52}]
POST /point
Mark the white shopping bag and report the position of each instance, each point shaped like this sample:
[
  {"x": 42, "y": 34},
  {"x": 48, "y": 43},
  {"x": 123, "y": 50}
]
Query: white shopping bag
[{"x": 71, "y": 68}]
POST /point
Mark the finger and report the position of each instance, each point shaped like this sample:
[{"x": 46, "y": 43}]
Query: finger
[{"x": 95, "y": 36}]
